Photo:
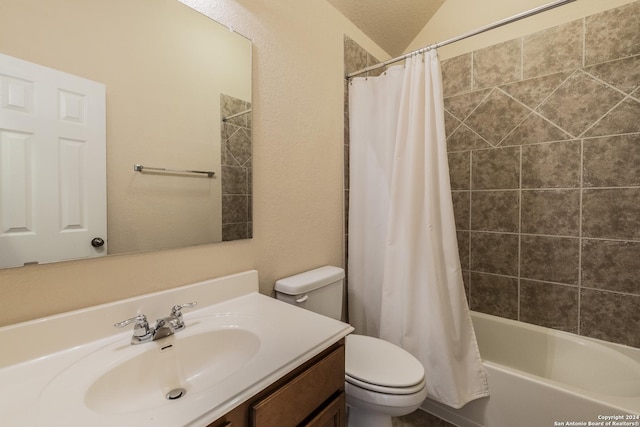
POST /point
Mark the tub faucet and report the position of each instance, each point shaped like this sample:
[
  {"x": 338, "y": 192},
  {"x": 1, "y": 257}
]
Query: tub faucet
[{"x": 164, "y": 327}]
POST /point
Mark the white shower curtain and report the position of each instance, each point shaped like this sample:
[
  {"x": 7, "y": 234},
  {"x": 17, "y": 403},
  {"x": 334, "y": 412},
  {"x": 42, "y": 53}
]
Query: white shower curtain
[
  {"x": 372, "y": 132},
  {"x": 405, "y": 280}
]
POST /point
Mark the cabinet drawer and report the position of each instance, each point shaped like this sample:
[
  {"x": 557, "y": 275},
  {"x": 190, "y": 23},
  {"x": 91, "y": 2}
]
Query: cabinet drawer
[
  {"x": 299, "y": 398},
  {"x": 333, "y": 415}
]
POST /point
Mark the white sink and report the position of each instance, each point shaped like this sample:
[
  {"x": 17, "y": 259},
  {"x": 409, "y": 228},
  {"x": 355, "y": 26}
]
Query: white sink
[
  {"x": 121, "y": 378},
  {"x": 177, "y": 366}
]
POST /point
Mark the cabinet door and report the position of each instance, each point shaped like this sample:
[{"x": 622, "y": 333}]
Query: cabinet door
[
  {"x": 298, "y": 399},
  {"x": 333, "y": 415}
]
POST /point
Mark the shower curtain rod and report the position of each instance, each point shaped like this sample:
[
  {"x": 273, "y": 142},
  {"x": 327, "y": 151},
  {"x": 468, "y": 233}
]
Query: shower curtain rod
[{"x": 497, "y": 24}]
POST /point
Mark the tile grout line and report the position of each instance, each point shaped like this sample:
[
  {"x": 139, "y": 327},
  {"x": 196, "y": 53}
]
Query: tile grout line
[
  {"x": 550, "y": 282},
  {"x": 519, "y": 231},
  {"x": 471, "y": 70},
  {"x": 521, "y": 59},
  {"x": 549, "y": 142},
  {"x": 470, "y": 213},
  {"x": 580, "y": 239},
  {"x": 489, "y": 190},
  {"x": 552, "y": 236},
  {"x": 584, "y": 41}
]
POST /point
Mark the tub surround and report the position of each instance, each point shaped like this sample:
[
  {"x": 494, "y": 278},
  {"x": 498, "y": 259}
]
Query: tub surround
[
  {"x": 543, "y": 136},
  {"x": 41, "y": 352}
]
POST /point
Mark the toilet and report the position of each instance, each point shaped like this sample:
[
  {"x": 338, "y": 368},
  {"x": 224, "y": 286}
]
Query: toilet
[{"x": 381, "y": 379}]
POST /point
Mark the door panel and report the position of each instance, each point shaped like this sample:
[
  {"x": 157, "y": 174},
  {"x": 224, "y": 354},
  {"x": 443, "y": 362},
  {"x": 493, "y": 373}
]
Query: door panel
[{"x": 16, "y": 182}]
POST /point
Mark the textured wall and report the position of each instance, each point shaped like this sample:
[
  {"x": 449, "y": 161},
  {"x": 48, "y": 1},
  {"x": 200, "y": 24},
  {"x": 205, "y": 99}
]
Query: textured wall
[{"x": 544, "y": 140}]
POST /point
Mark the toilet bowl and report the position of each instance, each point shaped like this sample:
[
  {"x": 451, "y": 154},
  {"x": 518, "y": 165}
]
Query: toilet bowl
[{"x": 381, "y": 379}]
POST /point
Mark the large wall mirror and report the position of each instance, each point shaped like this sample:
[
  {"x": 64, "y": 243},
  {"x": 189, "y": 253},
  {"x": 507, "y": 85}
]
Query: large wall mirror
[{"x": 178, "y": 99}]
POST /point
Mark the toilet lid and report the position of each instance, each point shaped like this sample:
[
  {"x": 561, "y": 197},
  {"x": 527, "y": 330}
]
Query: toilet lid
[{"x": 380, "y": 363}]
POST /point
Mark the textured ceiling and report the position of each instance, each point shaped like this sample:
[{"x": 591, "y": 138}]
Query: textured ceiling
[{"x": 392, "y": 24}]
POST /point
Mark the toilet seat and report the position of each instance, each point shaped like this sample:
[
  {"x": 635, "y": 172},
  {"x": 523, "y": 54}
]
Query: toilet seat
[
  {"x": 377, "y": 365},
  {"x": 386, "y": 390}
]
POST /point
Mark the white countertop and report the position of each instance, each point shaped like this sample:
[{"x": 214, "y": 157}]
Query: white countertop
[{"x": 45, "y": 385}]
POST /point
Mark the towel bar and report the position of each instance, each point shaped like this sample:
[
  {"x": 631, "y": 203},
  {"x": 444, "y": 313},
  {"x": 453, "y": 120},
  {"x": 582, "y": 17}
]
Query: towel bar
[{"x": 140, "y": 168}]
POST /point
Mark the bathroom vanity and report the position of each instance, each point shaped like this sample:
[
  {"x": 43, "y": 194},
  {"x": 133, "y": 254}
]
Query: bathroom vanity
[
  {"x": 311, "y": 395},
  {"x": 243, "y": 359}
]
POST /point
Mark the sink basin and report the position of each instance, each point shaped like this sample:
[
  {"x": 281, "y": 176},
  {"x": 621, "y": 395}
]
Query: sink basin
[
  {"x": 195, "y": 363},
  {"x": 120, "y": 379}
]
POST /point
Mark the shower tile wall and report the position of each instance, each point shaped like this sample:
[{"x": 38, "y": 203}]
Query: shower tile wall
[
  {"x": 236, "y": 159},
  {"x": 543, "y": 135}
]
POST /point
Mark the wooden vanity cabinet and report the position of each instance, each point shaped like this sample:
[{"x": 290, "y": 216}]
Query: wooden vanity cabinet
[{"x": 312, "y": 395}]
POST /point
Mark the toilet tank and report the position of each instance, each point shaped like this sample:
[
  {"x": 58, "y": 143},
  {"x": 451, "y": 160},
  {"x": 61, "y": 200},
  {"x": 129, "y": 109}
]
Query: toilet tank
[{"x": 319, "y": 290}]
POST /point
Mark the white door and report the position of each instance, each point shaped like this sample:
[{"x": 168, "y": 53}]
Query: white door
[{"x": 52, "y": 165}]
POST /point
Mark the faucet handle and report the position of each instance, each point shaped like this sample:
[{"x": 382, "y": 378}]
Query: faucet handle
[
  {"x": 176, "y": 310},
  {"x": 141, "y": 331}
]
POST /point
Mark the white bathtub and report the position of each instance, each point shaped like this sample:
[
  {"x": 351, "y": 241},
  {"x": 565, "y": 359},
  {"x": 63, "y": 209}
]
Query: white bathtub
[{"x": 541, "y": 377}]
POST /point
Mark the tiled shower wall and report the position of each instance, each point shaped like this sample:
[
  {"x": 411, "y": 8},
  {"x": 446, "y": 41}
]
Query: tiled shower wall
[
  {"x": 236, "y": 158},
  {"x": 544, "y": 155},
  {"x": 543, "y": 135}
]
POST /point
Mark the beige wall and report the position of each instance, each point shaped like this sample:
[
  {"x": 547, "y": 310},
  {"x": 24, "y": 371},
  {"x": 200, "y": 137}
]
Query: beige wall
[
  {"x": 457, "y": 17},
  {"x": 298, "y": 172}
]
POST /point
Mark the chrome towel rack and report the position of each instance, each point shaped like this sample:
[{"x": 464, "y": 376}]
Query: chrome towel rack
[{"x": 140, "y": 168}]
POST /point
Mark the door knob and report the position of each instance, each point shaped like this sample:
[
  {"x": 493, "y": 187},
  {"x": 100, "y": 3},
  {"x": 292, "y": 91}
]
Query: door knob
[{"x": 97, "y": 242}]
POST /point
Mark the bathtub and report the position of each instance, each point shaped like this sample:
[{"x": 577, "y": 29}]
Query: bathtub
[{"x": 540, "y": 377}]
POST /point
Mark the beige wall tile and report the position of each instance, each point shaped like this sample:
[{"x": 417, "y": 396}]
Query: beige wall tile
[
  {"x": 549, "y": 304},
  {"x": 613, "y": 34},
  {"x": 552, "y": 259},
  {"x": 497, "y": 64},
  {"x": 556, "y": 49}
]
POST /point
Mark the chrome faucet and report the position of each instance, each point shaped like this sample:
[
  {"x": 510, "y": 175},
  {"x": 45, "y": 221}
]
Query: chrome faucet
[{"x": 164, "y": 327}]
